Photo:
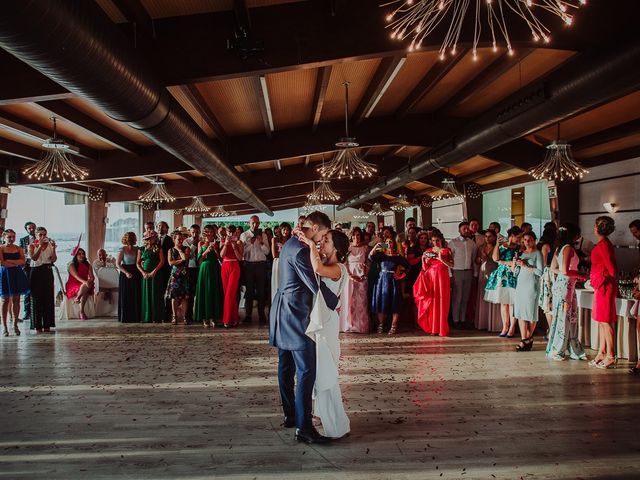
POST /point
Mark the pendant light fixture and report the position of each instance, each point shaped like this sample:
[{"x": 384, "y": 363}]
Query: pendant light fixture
[
  {"x": 558, "y": 164},
  {"x": 157, "y": 194},
  {"x": 197, "y": 206},
  {"x": 55, "y": 163},
  {"x": 347, "y": 162}
]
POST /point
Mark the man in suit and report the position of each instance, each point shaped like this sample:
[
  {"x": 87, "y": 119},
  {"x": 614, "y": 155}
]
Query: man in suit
[
  {"x": 166, "y": 243},
  {"x": 289, "y": 319},
  {"x": 25, "y": 241}
]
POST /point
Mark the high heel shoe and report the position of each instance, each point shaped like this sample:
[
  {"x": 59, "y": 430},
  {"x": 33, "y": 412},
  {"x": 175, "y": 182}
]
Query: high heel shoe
[
  {"x": 5, "y": 333},
  {"x": 606, "y": 366},
  {"x": 173, "y": 320},
  {"x": 635, "y": 371},
  {"x": 525, "y": 345},
  {"x": 16, "y": 330},
  {"x": 393, "y": 330},
  {"x": 380, "y": 328}
]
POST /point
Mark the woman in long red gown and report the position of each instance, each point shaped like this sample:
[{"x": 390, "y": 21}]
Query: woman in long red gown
[
  {"x": 603, "y": 277},
  {"x": 432, "y": 290}
]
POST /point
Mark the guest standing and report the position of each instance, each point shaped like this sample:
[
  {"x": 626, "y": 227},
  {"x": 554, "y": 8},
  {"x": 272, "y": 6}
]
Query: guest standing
[
  {"x": 563, "y": 336},
  {"x": 178, "y": 285},
  {"x": 487, "y": 314},
  {"x": 231, "y": 253},
  {"x": 354, "y": 312},
  {"x": 129, "y": 281},
  {"x": 528, "y": 270},
  {"x": 150, "y": 261},
  {"x": 387, "y": 294},
  {"x": 25, "y": 241},
  {"x": 166, "y": 243},
  {"x": 432, "y": 289},
  {"x": 192, "y": 243},
  {"x": 413, "y": 254},
  {"x": 81, "y": 282},
  {"x": 209, "y": 293},
  {"x": 463, "y": 250},
  {"x": 13, "y": 280},
  {"x": 256, "y": 248},
  {"x": 43, "y": 255},
  {"x": 603, "y": 276},
  {"x": 276, "y": 246},
  {"x": 501, "y": 284},
  {"x": 547, "y": 247}
]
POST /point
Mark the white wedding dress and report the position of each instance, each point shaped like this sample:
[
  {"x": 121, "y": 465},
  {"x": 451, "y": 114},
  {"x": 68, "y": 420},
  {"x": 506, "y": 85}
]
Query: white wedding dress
[{"x": 324, "y": 328}]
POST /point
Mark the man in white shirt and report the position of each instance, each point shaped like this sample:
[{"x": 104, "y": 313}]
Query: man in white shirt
[
  {"x": 463, "y": 250},
  {"x": 256, "y": 249}
]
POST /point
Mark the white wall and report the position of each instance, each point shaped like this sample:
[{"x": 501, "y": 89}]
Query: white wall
[{"x": 617, "y": 183}]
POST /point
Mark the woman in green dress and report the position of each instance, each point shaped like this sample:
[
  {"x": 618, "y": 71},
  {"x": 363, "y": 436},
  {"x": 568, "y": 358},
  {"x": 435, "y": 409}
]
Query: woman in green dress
[
  {"x": 209, "y": 296},
  {"x": 178, "y": 284},
  {"x": 150, "y": 261}
]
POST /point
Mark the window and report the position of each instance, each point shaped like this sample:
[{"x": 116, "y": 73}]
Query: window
[{"x": 121, "y": 218}]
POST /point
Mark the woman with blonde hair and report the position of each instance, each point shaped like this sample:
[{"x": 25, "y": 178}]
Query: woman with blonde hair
[
  {"x": 178, "y": 284},
  {"x": 129, "y": 282}
]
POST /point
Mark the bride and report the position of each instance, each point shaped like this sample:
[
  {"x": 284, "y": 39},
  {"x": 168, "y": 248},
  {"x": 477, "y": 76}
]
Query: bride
[{"x": 328, "y": 264}]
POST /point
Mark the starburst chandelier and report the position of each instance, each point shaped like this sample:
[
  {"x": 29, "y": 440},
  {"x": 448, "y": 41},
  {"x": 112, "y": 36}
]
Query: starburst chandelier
[
  {"x": 449, "y": 189},
  {"x": 376, "y": 209},
  {"x": 472, "y": 191},
  {"x": 312, "y": 205},
  {"x": 219, "y": 212},
  {"x": 558, "y": 163},
  {"x": 347, "y": 161},
  {"x": 96, "y": 194},
  {"x": 401, "y": 203},
  {"x": 55, "y": 163},
  {"x": 361, "y": 215},
  {"x": 417, "y": 19},
  {"x": 157, "y": 194},
  {"x": 197, "y": 206},
  {"x": 322, "y": 192}
]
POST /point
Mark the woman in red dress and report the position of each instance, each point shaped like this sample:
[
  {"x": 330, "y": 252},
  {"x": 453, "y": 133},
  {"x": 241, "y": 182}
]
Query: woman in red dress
[
  {"x": 432, "y": 290},
  {"x": 81, "y": 280},
  {"x": 231, "y": 253},
  {"x": 603, "y": 278}
]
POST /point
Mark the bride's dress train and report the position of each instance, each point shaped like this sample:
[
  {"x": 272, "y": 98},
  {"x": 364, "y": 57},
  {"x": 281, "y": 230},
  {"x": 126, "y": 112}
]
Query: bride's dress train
[{"x": 324, "y": 328}]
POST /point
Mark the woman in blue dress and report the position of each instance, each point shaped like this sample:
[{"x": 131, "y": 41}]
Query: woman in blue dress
[
  {"x": 386, "y": 297},
  {"x": 525, "y": 307},
  {"x": 501, "y": 284},
  {"x": 13, "y": 281}
]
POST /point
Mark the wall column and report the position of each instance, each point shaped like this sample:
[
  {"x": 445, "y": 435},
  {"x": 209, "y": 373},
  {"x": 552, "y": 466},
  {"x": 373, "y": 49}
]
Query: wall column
[
  {"x": 399, "y": 220},
  {"x": 566, "y": 204},
  {"x": 97, "y": 216},
  {"x": 426, "y": 216},
  {"x": 472, "y": 208},
  {"x": 177, "y": 218},
  {"x": 4, "y": 199},
  {"x": 147, "y": 216}
]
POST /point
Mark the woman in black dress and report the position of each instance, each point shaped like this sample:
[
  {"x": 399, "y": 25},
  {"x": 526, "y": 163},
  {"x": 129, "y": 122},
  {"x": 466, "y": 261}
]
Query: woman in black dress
[{"x": 129, "y": 281}]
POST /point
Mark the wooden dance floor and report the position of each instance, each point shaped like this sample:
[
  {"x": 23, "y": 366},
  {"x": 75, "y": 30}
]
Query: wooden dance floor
[{"x": 104, "y": 400}]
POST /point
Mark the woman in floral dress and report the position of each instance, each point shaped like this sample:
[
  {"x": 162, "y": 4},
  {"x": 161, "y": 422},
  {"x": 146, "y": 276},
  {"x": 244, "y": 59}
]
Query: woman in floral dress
[
  {"x": 178, "y": 285},
  {"x": 354, "y": 311},
  {"x": 501, "y": 284}
]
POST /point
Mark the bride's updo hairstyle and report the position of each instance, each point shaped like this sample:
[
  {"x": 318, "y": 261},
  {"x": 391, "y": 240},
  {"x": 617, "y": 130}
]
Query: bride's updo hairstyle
[{"x": 341, "y": 244}]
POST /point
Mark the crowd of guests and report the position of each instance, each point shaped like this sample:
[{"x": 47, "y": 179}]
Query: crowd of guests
[{"x": 480, "y": 279}]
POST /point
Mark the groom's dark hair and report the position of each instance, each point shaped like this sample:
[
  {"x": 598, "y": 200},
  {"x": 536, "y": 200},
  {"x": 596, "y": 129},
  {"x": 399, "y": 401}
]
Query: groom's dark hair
[{"x": 320, "y": 219}]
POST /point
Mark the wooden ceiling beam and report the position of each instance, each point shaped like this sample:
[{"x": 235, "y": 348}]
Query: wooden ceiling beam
[
  {"x": 123, "y": 183},
  {"x": 436, "y": 73},
  {"x": 382, "y": 79},
  {"x": 485, "y": 78},
  {"x": 19, "y": 150},
  {"x": 316, "y": 38},
  {"x": 419, "y": 130},
  {"x": 618, "y": 156},
  {"x": 262, "y": 94},
  {"x": 66, "y": 111},
  {"x": 198, "y": 102},
  {"x": 322, "y": 81},
  {"x": 475, "y": 176},
  {"x": 20, "y": 83},
  {"x": 137, "y": 15},
  {"x": 519, "y": 153},
  {"x": 605, "y": 136},
  {"x": 28, "y": 129}
]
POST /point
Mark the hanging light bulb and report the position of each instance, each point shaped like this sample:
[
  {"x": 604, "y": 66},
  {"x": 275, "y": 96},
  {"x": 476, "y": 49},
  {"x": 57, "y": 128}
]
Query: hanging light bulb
[
  {"x": 361, "y": 215},
  {"x": 426, "y": 201},
  {"x": 449, "y": 189},
  {"x": 220, "y": 212},
  {"x": 96, "y": 194},
  {"x": 376, "y": 209},
  {"x": 157, "y": 194},
  {"x": 55, "y": 163},
  {"x": 401, "y": 203},
  {"x": 472, "y": 191},
  {"x": 323, "y": 193},
  {"x": 558, "y": 163}
]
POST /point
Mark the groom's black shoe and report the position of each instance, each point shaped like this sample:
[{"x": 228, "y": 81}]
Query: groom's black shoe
[
  {"x": 289, "y": 422},
  {"x": 310, "y": 435}
]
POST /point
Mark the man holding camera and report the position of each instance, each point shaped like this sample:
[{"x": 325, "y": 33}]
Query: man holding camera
[{"x": 256, "y": 249}]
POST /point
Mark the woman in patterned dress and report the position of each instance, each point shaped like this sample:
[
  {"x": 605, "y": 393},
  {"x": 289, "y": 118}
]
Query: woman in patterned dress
[
  {"x": 354, "y": 312},
  {"x": 563, "y": 336},
  {"x": 501, "y": 284},
  {"x": 178, "y": 284},
  {"x": 150, "y": 262},
  {"x": 547, "y": 247}
]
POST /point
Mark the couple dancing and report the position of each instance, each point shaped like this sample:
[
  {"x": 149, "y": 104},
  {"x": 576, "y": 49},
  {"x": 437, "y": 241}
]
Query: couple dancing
[{"x": 304, "y": 327}]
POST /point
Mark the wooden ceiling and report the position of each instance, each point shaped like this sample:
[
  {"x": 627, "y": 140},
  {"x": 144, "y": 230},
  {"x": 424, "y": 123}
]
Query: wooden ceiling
[{"x": 276, "y": 120}]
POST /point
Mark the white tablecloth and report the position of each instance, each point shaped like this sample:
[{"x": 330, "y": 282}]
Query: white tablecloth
[{"x": 627, "y": 341}]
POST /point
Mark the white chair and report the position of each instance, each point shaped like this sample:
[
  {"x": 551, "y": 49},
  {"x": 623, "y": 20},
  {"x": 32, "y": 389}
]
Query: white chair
[{"x": 107, "y": 287}]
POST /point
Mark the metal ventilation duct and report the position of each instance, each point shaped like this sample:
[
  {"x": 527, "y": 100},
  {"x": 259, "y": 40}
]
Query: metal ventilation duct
[
  {"x": 585, "y": 82},
  {"x": 75, "y": 44}
]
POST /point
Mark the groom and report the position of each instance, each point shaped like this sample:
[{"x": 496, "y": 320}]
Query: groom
[{"x": 289, "y": 319}]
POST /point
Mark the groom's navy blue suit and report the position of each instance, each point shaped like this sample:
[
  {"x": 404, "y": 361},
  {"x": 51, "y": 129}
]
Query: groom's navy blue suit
[{"x": 289, "y": 319}]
